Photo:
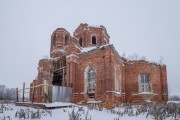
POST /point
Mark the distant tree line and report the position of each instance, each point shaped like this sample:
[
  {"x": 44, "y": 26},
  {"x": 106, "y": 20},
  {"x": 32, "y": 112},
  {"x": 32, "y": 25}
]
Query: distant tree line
[
  {"x": 7, "y": 93},
  {"x": 174, "y": 98}
]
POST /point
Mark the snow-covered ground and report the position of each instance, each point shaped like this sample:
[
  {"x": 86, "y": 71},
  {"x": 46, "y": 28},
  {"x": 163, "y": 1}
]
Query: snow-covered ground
[{"x": 65, "y": 113}]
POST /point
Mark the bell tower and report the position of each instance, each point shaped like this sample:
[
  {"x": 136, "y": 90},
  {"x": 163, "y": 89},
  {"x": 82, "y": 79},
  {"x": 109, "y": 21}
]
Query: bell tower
[
  {"x": 91, "y": 36},
  {"x": 59, "y": 40}
]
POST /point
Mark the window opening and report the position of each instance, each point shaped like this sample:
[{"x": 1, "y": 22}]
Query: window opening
[
  {"x": 91, "y": 82},
  {"x": 105, "y": 42},
  {"x": 80, "y": 41},
  {"x": 94, "y": 41},
  {"x": 117, "y": 79},
  {"x": 145, "y": 86},
  {"x": 66, "y": 39}
]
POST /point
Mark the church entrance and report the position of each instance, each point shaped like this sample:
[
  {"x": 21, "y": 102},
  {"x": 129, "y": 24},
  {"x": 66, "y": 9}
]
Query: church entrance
[{"x": 59, "y": 76}]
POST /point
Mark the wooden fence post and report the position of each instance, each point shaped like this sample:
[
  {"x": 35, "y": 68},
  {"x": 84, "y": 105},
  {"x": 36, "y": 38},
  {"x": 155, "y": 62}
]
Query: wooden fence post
[
  {"x": 23, "y": 92},
  {"x": 16, "y": 94}
]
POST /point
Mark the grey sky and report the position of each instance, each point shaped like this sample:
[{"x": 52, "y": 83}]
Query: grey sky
[{"x": 146, "y": 27}]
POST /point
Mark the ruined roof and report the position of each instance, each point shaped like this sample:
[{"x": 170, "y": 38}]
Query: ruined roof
[
  {"x": 84, "y": 26},
  {"x": 143, "y": 61},
  {"x": 91, "y": 48}
]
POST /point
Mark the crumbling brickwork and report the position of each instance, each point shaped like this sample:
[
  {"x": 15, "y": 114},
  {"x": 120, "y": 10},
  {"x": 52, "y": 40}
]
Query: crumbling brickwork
[
  {"x": 156, "y": 75},
  {"x": 92, "y": 67}
]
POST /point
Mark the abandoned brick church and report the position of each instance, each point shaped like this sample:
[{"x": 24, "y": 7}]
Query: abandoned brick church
[{"x": 88, "y": 64}]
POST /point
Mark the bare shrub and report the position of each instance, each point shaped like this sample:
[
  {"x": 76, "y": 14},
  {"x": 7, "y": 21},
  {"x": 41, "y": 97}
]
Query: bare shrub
[{"x": 74, "y": 115}]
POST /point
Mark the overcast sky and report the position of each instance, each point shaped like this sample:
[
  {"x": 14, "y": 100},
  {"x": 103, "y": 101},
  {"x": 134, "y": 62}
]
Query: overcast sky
[{"x": 149, "y": 28}]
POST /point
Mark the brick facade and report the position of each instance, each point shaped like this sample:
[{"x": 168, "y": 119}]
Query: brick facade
[{"x": 113, "y": 79}]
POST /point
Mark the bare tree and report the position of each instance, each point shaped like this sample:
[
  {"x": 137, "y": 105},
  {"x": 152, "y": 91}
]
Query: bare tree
[
  {"x": 143, "y": 58},
  {"x": 174, "y": 98},
  {"x": 161, "y": 60},
  {"x": 134, "y": 56},
  {"x": 7, "y": 93},
  {"x": 1, "y": 91}
]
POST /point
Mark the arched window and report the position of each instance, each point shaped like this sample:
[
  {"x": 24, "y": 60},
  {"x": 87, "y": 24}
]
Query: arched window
[
  {"x": 80, "y": 41},
  {"x": 105, "y": 42},
  {"x": 91, "y": 80},
  {"x": 94, "y": 39},
  {"x": 66, "y": 39},
  {"x": 117, "y": 78}
]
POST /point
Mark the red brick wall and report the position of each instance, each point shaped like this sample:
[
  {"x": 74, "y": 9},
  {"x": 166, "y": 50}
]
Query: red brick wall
[
  {"x": 100, "y": 60},
  {"x": 164, "y": 83},
  {"x": 117, "y": 66},
  {"x": 85, "y": 32},
  {"x": 106, "y": 61},
  {"x": 133, "y": 69}
]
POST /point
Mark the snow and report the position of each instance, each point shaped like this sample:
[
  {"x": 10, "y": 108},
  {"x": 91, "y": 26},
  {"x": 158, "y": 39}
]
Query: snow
[
  {"x": 51, "y": 58},
  {"x": 83, "y": 50},
  {"x": 58, "y": 104},
  {"x": 23, "y": 102},
  {"x": 87, "y": 49},
  {"x": 147, "y": 93},
  {"x": 178, "y": 102},
  {"x": 63, "y": 113},
  {"x": 78, "y": 47},
  {"x": 58, "y": 50},
  {"x": 93, "y": 101},
  {"x": 72, "y": 55}
]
